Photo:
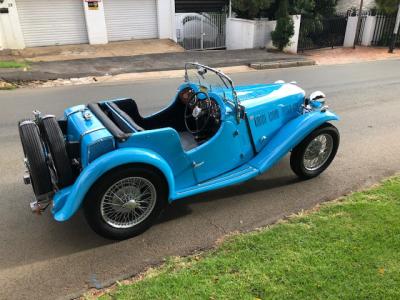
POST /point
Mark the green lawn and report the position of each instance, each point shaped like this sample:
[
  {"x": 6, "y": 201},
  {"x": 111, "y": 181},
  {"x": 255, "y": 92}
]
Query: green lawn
[
  {"x": 347, "y": 249},
  {"x": 13, "y": 64}
]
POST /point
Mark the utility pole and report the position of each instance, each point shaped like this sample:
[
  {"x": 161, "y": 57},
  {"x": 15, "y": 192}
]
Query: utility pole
[
  {"x": 358, "y": 24},
  {"x": 395, "y": 31}
]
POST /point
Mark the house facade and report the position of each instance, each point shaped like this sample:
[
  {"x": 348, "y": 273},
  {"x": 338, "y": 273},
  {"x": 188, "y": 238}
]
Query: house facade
[
  {"x": 345, "y": 5},
  {"x": 27, "y": 23}
]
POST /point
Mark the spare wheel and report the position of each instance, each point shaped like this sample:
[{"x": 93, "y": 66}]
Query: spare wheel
[
  {"x": 35, "y": 158},
  {"x": 55, "y": 142}
]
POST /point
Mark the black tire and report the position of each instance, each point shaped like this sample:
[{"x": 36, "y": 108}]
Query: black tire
[
  {"x": 296, "y": 158},
  {"x": 35, "y": 155},
  {"x": 55, "y": 143},
  {"x": 93, "y": 201}
]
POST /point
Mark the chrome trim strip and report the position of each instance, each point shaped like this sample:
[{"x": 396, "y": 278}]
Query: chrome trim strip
[
  {"x": 91, "y": 131},
  {"x": 74, "y": 112},
  {"x": 26, "y": 123},
  {"x": 48, "y": 116}
]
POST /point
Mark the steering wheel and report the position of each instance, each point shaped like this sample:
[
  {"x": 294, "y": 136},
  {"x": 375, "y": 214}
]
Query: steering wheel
[{"x": 197, "y": 113}]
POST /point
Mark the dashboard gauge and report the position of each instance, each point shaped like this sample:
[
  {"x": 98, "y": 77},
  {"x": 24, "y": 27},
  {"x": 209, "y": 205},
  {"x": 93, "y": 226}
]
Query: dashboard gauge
[{"x": 185, "y": 95}]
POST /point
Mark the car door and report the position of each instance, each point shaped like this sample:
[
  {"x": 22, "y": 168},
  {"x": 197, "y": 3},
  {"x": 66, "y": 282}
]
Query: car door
[{"x": 227, "y": 150}]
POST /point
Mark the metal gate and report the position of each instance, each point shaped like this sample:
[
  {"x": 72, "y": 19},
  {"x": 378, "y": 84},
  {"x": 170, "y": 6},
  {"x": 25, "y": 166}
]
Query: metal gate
[
  {"x": 200, "y": 31},
  {"x": 384, "y": 30},
  {"x": 330, "y": 32}
]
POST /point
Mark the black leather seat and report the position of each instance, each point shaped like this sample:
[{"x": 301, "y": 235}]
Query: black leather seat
[{"x": 124, "y": 126}]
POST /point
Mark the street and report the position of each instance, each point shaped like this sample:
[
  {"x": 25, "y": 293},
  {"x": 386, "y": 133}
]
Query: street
[{"x": 42, "y": 259}]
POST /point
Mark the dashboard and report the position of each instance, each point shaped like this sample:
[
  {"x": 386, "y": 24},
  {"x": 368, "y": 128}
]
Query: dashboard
[{"x": 214, "y": 121}]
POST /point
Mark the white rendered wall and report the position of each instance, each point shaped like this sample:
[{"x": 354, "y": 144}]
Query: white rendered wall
[
  {"x": 96, "y": 24},
  {"x": 2, "y": 41},
  {"x": 239, "y": 34},
  {"x": 10, "y": 29},
  {"x": 166, "y": 19},
  {"x": 350, "y": 31},
  {"x": 369, "y": 29},
  {"x": 294, "y": 40},
  {"x": 248, "y": 34},
  {"x": 271, "y": 27}
]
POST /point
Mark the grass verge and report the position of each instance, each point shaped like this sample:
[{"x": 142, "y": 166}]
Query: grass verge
[
  {"x": 11, "y": 64},
  {"x": 347, "y": 249}
]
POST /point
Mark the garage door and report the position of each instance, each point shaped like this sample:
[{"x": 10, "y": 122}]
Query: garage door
[
  {"x": 57, "y": 22},
  {"x": 131, "y": 19}
]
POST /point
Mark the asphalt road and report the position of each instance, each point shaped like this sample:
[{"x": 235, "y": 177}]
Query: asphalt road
[{"x": 42, "y": 259}]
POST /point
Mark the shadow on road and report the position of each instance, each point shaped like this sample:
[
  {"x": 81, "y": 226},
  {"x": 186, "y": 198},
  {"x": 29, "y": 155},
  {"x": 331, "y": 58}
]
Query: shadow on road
[{"x": 59, "y": 239}]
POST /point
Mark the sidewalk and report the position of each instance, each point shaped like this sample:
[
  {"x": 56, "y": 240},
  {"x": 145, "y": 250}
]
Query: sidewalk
[
  {"x": 329, "y": 56},
  {"x": 82, "y": 51},
  {"x": 143, "y": 63}
]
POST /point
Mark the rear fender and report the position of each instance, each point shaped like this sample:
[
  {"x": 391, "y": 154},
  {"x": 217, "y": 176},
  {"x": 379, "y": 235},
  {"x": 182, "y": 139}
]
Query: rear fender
[
  {"x": 67, "y": 201},
  {"x": 289, "y": 137}
]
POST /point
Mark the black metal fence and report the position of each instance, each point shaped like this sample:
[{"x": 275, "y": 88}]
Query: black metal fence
[
  {"x": 329, "y": 32},
  {"x": 384, "y": 30}
]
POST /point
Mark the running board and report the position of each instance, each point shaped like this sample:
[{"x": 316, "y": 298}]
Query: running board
[{"x": 238, "y": 175}]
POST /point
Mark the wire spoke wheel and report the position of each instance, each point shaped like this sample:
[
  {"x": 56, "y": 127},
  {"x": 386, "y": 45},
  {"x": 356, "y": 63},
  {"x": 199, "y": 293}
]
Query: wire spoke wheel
[
  {"x": 128, "y": 202},
  {"x": 318, "y": 152}
]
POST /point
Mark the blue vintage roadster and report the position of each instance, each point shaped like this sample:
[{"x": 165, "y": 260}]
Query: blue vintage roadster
[{"x": 122, "y": 168}]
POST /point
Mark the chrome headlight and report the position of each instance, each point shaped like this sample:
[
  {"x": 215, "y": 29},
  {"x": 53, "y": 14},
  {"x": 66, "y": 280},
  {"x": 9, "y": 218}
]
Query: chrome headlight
[{"x": 317, "y": 101}]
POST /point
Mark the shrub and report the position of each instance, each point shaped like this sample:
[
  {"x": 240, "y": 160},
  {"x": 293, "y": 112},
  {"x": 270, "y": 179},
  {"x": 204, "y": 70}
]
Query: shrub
[{"x": 284, "y": 28}]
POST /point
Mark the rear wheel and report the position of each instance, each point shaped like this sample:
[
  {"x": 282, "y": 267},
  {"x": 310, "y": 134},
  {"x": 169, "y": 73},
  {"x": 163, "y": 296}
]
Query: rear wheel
[
  {"x": 316, "y": 152},
  {"x": 35, "y": 158},
  {"x": 125, "y": 202}
]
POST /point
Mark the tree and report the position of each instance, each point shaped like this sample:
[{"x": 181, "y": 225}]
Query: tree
[
  {"x": 313, "y": 13},
  {"x": 250, "y": 9},
  {"x": 387, "y": 6},
  {"x": 284, "y": 27},
  {"x": 324, "y": 8}
]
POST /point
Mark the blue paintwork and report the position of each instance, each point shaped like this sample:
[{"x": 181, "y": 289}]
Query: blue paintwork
[
  {"x": 288, "y": 137},
  {"x": 274, "y": 124},
  {"x": 269, "y": 108},
  {"x": 87, "y": 132},
  {"x": 284, "y": 141},
  {"x": 68, "y": 200}
]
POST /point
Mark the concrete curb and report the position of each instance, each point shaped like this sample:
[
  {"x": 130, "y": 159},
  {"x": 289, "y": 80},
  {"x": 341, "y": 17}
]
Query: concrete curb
[
  {"x": 281, "y": 64},
  {"x": 17, "y": 76}
]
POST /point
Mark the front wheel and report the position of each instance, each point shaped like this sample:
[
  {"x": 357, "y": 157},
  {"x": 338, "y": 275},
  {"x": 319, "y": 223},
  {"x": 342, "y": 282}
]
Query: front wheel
[
  {"x": 125, "y": 202},
  {"x": 316, "y": 152}
]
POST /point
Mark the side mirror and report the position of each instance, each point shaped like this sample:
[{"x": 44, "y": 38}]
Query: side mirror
[{"x": 202, "y": 71}]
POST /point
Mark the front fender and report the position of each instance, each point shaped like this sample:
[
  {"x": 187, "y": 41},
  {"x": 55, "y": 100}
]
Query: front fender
[
  {"x": 289, "y": 137},
  {"x": 67, "y": 201}
]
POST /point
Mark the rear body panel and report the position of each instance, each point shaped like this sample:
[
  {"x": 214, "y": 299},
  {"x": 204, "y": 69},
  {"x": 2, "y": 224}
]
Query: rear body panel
[{"x": 84, "y": 128}]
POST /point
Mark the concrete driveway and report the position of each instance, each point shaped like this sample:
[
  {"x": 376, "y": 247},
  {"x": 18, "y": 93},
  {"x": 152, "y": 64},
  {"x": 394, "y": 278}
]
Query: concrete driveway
[{"x": 42, "y": 259}]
